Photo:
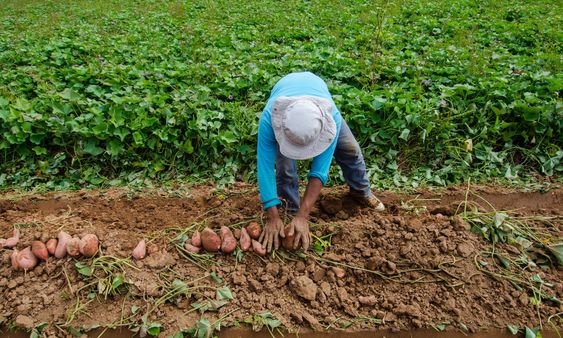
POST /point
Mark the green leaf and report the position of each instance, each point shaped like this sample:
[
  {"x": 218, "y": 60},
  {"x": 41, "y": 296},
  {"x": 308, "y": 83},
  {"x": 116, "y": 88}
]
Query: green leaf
[
  {"x": 91, "y": 147},
  {"x": 557, "y": 251},
  {"x": 512, "y": 328},
  {"x": 40, "y": 150},
  {"x": 529, "y": 333},
  {"x": 154, "y": 329},
  {"x": 114, "y": 147},
  {"x": 217, "y": 279},
  {"x": 22, "y": 105},
  {"x": 405, "y": 134},
  {"x": 134, "y": 309},
  {"x": 70, "y": 95},
  {"x": 83, "y": 269},
  {"x": 224, "y": 293},
  {"x": 204, "y": 329},
  {"x": 117, "y": 281}
]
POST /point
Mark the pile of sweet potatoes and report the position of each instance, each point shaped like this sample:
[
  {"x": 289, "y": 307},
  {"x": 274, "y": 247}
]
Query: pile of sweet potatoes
[
  {"x": 65, "y": 244},
  {"x": 226, "y": 241}
]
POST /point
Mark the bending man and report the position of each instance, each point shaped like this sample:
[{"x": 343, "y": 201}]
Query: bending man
[{"x": 300, "y": 121}]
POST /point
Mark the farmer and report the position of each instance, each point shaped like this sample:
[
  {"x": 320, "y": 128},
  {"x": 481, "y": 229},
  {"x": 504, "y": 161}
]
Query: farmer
[{"x": 300, "y": 121}]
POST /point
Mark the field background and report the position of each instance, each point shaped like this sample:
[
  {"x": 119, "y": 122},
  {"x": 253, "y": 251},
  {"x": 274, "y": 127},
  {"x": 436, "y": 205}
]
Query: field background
[{"x": 103, "y": 93}]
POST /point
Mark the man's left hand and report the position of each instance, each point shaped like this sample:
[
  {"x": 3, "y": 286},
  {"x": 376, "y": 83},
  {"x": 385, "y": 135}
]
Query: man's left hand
[{"x": 300, "y": 228}]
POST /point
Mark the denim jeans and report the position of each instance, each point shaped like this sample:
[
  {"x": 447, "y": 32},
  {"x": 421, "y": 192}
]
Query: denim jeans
[{"x": 348, "y": 156}]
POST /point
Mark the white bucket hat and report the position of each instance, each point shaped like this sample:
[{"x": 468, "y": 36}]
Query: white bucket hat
[{"x": 303, "y": 125}]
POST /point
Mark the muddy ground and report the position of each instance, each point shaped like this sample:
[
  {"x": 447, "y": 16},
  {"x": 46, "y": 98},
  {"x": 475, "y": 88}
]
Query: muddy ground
[{"x": 415, "y": 265}]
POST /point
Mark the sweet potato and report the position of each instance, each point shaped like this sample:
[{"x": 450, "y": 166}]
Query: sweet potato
[
  {"x": 73, "y": 247},
  {"x": 288, "y": 241},
  {"x": 140, "y": 250},
  {"x": 12, "y": 241},
  {"x": 191, "y": 248},
  {"x": 88, "y": 245},
  {"x": 245, "y": 240},
  {"x": 26, "y": 259},
  {"x": 254, "y": 230},
  {"x": 228, "y": 240},
  {"x": 258, "y": 248},
  {"x": 14, "y": 259},
  {"x": 64, "y": 238},
  {"x": 196, "y": 239},
  {"x": 210, "y": 240},
  {"x": 51, "y": 246},
  {"x": 39, "y": 249}
]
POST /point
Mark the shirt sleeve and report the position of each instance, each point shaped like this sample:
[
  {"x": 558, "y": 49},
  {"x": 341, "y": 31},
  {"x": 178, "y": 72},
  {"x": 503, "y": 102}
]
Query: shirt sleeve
[
  {"x": 267, "y": 152},
  {"x": 321, "y": 163}
]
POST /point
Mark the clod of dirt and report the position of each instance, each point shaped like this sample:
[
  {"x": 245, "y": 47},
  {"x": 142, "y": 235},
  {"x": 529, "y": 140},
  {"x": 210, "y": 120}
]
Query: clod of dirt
[
  {"x": 339, "y": 272},
  {"x": 459, "y": 224},
  {"x": 304, "y": 287},
  {"x": 331, "y": 205},
  {"x": 159, "y": 260},
  {"x": 25, "y": 322},
  {"x": 465, "y": 249},
  {"x": 367, "y": 300}
]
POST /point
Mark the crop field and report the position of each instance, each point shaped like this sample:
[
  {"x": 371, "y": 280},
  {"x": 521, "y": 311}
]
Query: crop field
[{"x": 128, "y": 135}]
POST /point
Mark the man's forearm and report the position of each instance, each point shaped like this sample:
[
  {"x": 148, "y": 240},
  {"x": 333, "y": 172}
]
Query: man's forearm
[{"x": 310, "y": 198}]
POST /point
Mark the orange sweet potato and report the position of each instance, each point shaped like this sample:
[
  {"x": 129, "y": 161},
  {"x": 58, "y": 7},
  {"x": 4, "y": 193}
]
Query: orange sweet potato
[
  {"x": 73, "y": 247},
  {"x": 288, "y": 241},
  {"x": 26, "y": 259},
  {"x": 254, "y": 230},
  {"x": 196, "y": 239},
  {"x": 64, "y": 238},
  {"x": 228, "y": 240},
  {"x": 88, "y": 245},
  {"x": 210, "y": 240},
  {"x": 245, "y": 240},
  {"x": 12, "y": 241},
  {"x": 258, "y": 248},
  {"x": 39, "y": 249},
  {"x": 140, "y": 250},
  {"x": 51, "y": 246},
  {"x": 191, "y": 248}
]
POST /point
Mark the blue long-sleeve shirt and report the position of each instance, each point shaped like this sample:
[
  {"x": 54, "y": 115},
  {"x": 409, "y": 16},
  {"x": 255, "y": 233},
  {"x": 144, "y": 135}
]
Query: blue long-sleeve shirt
[{"x": 294, "y": 84}]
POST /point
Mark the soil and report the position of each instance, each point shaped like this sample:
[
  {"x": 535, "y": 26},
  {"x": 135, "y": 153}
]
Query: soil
[{"x": 415, "y": 265}]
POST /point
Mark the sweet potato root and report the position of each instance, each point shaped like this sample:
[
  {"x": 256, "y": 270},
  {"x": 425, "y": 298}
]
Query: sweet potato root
[
  {"x": 140, "y": 250},
  {"x": 51, "y": 246},
  {"x": 191, "y": 248},
  {"x": 288, "y": 241},
  {"x": 39, "y": 249},
  {"x": 196, "y": 239},
  {"x": 64, "y": 238},
  {"x": 228, "y": 240},
  {"x": 258, "y": 248},
  {"x": 73, "y": 247},
  {"x": 245, "y": 240},
  {"x": 210, "y": 240},
  {"x": 254, "y": 230},
  {"x": 89, "y": 245}
]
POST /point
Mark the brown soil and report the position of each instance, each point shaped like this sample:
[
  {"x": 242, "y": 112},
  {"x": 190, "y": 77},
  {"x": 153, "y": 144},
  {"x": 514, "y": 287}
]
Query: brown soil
[{"x": 413, "y": 266}]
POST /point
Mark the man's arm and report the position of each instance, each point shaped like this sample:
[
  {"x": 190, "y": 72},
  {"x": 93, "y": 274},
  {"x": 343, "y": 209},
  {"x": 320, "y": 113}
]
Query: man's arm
[{"x": 267, "y": 152}]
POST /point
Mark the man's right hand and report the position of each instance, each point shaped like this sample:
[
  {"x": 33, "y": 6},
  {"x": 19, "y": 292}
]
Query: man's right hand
[{"x": 270, "y": 237}]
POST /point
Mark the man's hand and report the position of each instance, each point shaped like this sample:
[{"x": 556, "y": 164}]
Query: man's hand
[
  {"x": 300, "y": 228},
  {"x": 270, "y": 236}
]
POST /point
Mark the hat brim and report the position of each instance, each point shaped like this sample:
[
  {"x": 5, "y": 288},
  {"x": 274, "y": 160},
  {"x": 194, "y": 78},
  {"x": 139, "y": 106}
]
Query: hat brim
[{"x": 317, "y": 147}]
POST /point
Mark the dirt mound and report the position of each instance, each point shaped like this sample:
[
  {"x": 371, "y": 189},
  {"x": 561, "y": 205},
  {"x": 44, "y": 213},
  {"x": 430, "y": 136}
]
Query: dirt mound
[{"x": 415, "y": 265}]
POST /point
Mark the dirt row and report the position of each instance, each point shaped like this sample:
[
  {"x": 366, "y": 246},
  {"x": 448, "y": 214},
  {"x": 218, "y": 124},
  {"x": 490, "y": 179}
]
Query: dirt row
[{"x": 416, "y": 265}]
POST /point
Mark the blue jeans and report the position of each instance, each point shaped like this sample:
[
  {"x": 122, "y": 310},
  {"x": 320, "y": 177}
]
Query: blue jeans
[{"x": 348, "y": 156}]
